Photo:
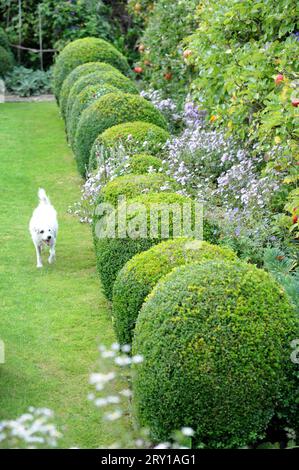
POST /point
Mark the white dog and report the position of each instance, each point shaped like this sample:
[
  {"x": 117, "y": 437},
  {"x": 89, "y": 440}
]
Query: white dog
[{"x": 43, "y": 227}]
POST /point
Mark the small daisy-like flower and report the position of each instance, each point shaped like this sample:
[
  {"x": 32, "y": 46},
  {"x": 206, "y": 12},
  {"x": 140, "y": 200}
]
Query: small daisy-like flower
[{"x": 187, "y": 431}]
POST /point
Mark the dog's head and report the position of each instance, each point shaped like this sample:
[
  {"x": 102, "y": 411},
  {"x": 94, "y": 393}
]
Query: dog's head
[{"x": 45, "y": 234}]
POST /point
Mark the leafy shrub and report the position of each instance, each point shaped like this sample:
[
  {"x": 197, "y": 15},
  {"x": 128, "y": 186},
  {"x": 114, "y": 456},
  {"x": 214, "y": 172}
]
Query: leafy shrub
[
  {"x": 82, "y": 51},
  {"x": 138, "y": 277},
  {"x": 215, "y": 339},
  {"x": 237, "y": 53},
  {"x": 4, "y": 42},
  {"x": 143, "y": 163},
  {"x": 114, "y": 78},
  {"x": 133, "y": 137},
  {"x": 28, "y": 82},
  {"x": 112, "y": 253},
  {"x": 85, "y": 98},
  {"x": 162, "y": 56},
  {"x": 108, "y": 111},
  {"x": 131, "y": 186},
  {"x": 75, "y": 75},
  {"x": 6, "y": 61}
]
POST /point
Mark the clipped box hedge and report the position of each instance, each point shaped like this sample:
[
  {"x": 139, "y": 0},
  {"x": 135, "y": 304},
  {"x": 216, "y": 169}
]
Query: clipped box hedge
[
  {"x": 144, "y": 163},
  {"x": 113, "y": 251},
  {"x": 116, "y": 80},
  {"x": 133, "y": 137},
  {"x": 82, "y": 51},
  {"x": 215, "y": 338},
  {"x": 139, "y": 275},
  {"x": 108, "y": 111},
  {"x": 85, "y": 98},
  {"x": 75, "y": 75},
  {"x": 130, "y": 186},
  {"x": 136, "y": 137}
]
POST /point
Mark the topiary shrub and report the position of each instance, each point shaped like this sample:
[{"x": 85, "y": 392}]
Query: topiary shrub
[
  {"x": 108, "y": 111},
  {"x": 116, "y": 248},
  {"x": 134, "y": 137},
  {"x": 130, "y": 186},
  {"x": 76, "y": 74},
  {"x": 82, "y": 51},
  {"x": 4, "y": 42},
  {"x": 144, "y": 163},
  {"x": 84, "y": 99},
  {"x": 138, "y": 277},
  {"x": 115, "y": 79},
  {"x": 130, "y": 138},
  {"x": 6, "y": 61},
  {"x": 215, "y": 338}
]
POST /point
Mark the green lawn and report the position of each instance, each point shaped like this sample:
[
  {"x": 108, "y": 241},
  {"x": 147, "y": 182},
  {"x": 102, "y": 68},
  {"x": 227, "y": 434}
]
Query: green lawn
[{"x": 51, "y": 319}]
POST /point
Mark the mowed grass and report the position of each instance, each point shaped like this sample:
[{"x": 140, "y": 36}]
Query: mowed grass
[{"x": 53, "y": 319}]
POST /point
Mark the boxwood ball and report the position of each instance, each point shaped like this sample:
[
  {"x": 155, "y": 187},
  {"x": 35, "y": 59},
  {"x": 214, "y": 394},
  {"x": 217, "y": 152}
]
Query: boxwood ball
[{"x": 215, "y": 338}]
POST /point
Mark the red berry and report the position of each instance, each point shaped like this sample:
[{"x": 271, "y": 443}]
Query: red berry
[
  {"x": 279, "y": 78},
  {"x": 187, "y": 53},
  {"x": 168, "y": 76},
  {"x": 138, "y": 69},
  {"x": 295, "y": 102},
  {"x": 295, "y": 219}
]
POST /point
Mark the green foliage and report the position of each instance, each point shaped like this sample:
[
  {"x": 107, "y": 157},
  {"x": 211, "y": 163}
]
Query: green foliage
[
  {"x": 70, "y": 20},
  {"x": 134, "y": 137},
  {"x": 139, "y": 276},
  {"x": 62, "y": 21},
  {"x": 168, "y": 24},
  {"x": 6, "y": 61},
  {"x": 130, "y": 186},
  {"x": 85, "y": 98},
  {"x": 75, "y": 75},
  {"x": 215, "y": 339},
  {"x": 112, "y": 78},
  {"x": 292, "y": 207},
  {"x": 114, "y": 249},
  {"x": 4, "y": 42},
  {"x": 285, "y": 270},
  {"x": 237, "y": 51},
  {"x": 28, "y": 82},
  {"x": 108, "y": 111},
  {"x": 143, "y": 163},
  {"x": 82, "y": 51}
]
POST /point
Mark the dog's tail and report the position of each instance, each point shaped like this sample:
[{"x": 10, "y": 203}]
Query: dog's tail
[{"x": 43, "y": 196}]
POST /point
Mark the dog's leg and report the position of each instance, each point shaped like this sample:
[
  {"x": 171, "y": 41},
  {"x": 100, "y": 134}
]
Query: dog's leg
[
  {"x": 52, "y": 254},
  {"x": 39, "y": 263}
]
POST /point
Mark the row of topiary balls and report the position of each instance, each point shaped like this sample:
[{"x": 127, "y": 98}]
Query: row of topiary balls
[{"x": 214, "y": 332}]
